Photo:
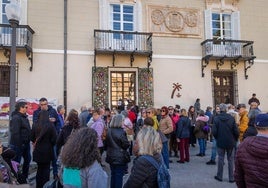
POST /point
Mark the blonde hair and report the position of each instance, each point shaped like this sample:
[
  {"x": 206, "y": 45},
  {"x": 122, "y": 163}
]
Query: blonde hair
[
  {"x": 149, "y": 141},
  {"x": 184, "y": 112}
]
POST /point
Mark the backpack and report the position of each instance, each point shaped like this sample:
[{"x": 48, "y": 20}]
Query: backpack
[
  {"x": 206, "y": 128},
  {"x": 163, "y": 176}
]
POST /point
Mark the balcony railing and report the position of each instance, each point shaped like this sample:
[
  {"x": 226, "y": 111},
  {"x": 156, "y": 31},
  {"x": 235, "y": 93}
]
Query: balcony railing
[
  {"x": 24, "y": 36},
  {"x": 227, "y": 49},
  {"x": 107, "y": 41}
]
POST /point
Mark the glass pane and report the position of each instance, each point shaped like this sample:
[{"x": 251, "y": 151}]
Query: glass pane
[
  {"x": 128, "y": 9},
  {"x": 227, "y": 34},
  {"x": 215, "y": 16},
  {"x": 116, "y": 26},
  {"x": 116, "y": 17},
  {"x": 128, "y": 26},
  {"x": 226, "y": 25},
  {"x": 116, "y": 8},
  {"x": 4, "y": 19},
  {"x": 226, "y": 17},
  {"x": 128, "y": 17},
  {"x": 216, "y": 32},
  {"x": 216, "y": 24}
]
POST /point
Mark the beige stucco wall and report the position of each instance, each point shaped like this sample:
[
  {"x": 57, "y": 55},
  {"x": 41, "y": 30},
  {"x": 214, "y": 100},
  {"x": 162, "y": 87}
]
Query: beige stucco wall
[{"x": 46, "y": 79}]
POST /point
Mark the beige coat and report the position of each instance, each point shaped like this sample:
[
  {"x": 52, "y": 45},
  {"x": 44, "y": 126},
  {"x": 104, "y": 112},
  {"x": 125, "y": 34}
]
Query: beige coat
[{"x": 165, "y": 125}]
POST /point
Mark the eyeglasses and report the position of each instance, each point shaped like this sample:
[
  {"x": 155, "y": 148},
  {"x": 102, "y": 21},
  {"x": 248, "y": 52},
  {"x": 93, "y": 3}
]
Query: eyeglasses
[{"x": 148, "y": 112}]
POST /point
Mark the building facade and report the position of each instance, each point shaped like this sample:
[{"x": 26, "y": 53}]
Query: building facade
[{"x": 149, "y": 52}]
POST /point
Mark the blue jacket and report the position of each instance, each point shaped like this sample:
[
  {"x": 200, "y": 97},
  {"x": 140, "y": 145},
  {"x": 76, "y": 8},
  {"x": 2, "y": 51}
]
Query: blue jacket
[
  {"x": 52, "y": 113},
  {"x": 183, "y": 127}
]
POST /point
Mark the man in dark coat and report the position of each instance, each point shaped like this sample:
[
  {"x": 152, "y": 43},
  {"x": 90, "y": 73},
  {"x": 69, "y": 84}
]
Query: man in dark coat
[
  {"x": 251, "y": 162},
  {"x": 226, "y": 133},
  {"x": 53, "y": 117},
  {"x": 20, "y": 135}
]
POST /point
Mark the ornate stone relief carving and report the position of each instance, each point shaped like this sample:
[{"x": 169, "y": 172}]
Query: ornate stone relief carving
[{"x": 173, "y": 21}]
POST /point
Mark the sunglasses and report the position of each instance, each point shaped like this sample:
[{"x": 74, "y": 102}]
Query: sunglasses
[
  {"x": 148, "y": 112},
  {"x": 163, "y": 110}
]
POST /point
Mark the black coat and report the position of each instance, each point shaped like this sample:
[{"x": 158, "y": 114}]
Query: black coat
[
  {"x": 225, "y": 131},
  {"x": 143, "y": 174},
  {"x": 44, "y": 136},
  {"x": 117, "y": 145},
  {"x": 20, "y": 130},
  {"x": 63, "y": 136}
]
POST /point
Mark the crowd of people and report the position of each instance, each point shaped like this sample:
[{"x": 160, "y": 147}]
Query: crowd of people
[{"x": 74, "y": 145}]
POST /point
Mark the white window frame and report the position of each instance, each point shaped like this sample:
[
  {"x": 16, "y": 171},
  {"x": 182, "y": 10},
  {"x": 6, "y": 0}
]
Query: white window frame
[
  {"x": 235, "y": 24},
  {"x": 223, "y": 49},
  {"x": 105, "y": 13},
  {"x": 221, "y": 28}
]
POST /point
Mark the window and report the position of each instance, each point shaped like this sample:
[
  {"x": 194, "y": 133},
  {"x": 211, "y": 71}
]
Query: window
[
  {"x": 222, "y": 25},
  {"x": 4, "y": 16},
  {"x": 123, "y": 86},
  {"x": 122, "y": 18},
  {"x": 5, "y": 79}
]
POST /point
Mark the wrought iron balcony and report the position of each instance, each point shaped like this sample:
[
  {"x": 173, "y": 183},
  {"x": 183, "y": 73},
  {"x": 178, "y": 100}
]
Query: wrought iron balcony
[
  {"x": 24, "y": 36},
  {"x": 24, "y": 40},
  {"x": 122, "y": 42},
  {"x": 227, "y": 50}
]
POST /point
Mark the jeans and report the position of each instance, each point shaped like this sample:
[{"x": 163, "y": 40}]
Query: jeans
[
  {"x": 117, "y": 173},
  {"x": 202, "y": 146},
  {"x": 214, "y": 150},
  {"x": 42, "y": 174},
  {"x": 165, "y": 154},
  {"x": 230, "y": 159},
  {"x": 23, "y": 152}
]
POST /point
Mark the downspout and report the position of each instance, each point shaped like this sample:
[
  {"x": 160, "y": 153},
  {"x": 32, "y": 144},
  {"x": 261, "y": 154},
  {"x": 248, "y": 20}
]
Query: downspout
[{"x": 65, "y": 57}]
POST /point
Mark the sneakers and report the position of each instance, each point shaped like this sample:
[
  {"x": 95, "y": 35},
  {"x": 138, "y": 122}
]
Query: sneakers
[{"x": 211, "y": 162}]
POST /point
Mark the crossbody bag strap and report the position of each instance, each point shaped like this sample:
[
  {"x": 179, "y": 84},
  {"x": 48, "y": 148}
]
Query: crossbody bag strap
[{"x": 151, "y": 160}]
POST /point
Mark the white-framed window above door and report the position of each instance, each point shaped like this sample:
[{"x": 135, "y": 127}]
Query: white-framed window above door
[{"x": 222, "y": 25}]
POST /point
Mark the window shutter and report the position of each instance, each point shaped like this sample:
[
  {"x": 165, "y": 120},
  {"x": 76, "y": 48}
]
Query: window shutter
[
  {"x": 236, "y": 25},
  {"x": 208, "y": 24}
]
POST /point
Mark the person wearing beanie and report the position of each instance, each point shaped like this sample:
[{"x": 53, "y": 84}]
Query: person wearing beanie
[
  {"x": 225, "y": 131},
  {"x": 251, "y": 162}
]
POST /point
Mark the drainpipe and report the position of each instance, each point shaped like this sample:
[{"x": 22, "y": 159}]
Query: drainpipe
[{"x": 65, "y": 57}]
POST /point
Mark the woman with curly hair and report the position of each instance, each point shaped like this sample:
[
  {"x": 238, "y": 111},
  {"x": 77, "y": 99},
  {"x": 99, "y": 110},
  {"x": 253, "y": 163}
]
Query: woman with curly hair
[
  {"x": 117, "y": 154},
  {"x": 150, "y": 145},
  {"x": 81, "y": 161},
  {"x": 70, "y": 126},
  {"x": 44, "y": 139}
]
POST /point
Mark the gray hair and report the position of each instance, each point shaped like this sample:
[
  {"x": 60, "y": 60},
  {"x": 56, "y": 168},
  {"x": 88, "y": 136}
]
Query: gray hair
[
  {"x": 149, "y": 141},
  {"x": 117, "y": 121},
  {"x": 223, "y": 107}
]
